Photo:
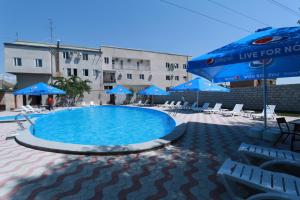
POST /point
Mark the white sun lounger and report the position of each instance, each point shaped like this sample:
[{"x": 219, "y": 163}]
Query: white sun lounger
[
  {"x": 146, "y": 103},
  {"x": 193, "y": 106},
  {"x": 215, "y": 109},
  {"x": 165, "y": 104},
  {"x": 26, "y": 110},
  {"x": 270, "y": 185},
  {"x": 270, "y": 113},
  {"x": 34, "y": 109},
  {"x": 269, "y": 156},
  {"x": 185, "y": 106},
  {"x": 237, "y": 110},
  {"x": 170, "y": 105},
  {"x": 92, "y": 103},
  {"x": 177, "y": 105},
  {"x": 204, "y": 107}
]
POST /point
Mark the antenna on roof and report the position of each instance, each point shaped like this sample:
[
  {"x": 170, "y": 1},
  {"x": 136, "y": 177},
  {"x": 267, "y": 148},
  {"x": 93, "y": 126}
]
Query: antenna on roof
[
  {"x": 51, "y": 29},
  {"x": 17, "y": 36}
]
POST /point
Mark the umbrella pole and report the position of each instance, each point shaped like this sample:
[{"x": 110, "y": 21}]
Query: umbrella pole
[
  {"x": 265, "y": 96},
  {"x": 197, "y": 99}
]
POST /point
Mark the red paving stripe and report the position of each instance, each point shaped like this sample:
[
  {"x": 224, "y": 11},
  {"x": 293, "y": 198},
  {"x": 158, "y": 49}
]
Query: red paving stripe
[
  {"x": 59, "y": 179},
  {"x": 15, "y": 189},
  {"x": 78, "y": 183},
  {"x": 159, "y": 184},
  {"x": 136, "y": 183},
  {"x": 114, "y": 178},
  {"x": 12, "y": 149},
  {"x": 22, "y": 163},
  {"x": 192, "y": 182},
  {"x": 37, "y": 164},
  {"x": 15, "y": 154}
]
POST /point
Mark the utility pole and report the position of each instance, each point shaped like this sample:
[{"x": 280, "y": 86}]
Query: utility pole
[{"x": 51, "y": 29}]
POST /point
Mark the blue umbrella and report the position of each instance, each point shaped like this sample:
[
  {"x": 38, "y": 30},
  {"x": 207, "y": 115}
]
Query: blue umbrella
[
  {"x": 199, "y": 84},
  {"x": 119, "y": 89},
  {"x": 39, "y": 89},
  {"x": 153, "y": 90},
  {"x": 267, "y": 54}
]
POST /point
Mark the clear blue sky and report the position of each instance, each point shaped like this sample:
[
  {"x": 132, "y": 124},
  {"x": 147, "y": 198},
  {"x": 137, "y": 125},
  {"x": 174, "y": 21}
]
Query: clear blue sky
[{"x": 142, "y": 24}]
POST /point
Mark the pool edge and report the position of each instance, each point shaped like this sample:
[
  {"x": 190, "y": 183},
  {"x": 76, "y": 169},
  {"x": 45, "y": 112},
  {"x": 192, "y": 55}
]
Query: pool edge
[{"x": 25, "y": 138}]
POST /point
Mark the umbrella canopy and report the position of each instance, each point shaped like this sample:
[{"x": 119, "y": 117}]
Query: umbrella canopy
[
  {"x": 276, "y": 50},
  {"x": 199, "y": 84},
  {"x": 39, "y": 89},
  {"x": 153, "y": 90},
  {"x": 267, "y": 54},
  {"x": 119, "y": 89}
]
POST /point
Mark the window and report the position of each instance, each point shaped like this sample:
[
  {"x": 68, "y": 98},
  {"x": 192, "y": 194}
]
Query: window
[
  {"x": 121, "y": 63},
  {"x": 74, "y": 72},
  {"x": 85, "y": 56},
  {"x": 142, "y": 76},
  {"x": 185, "y": 78},
  {"x": 113, "y": 63},
  {"x": 167, "y": 65},
  {"x": 85, "y": 72},
  {"x": 69, "y": 72},
  {"x": 176, "y": 78},
  {"x": 184, "y": 66},
  {"x": 17, "y": 61},
  {"x": 129, "y": 76},
  {"x": 168, "y": 77},
  {"x": 138, "y": 65},
  {"x": 106, "y": 60},
  {"x": 108, "y": 87},
  {"x": 66, "y": 55},
  {"x": 176, "y": 65},
  {"x": 38, "y": 62}
]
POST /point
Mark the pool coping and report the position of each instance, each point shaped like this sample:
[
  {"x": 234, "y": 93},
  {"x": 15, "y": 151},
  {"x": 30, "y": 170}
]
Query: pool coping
[{"x": 25, "y": 138}]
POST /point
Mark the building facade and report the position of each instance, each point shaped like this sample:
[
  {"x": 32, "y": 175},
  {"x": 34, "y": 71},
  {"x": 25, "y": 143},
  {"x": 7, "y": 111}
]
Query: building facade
[{"x": 105, "y": 66}]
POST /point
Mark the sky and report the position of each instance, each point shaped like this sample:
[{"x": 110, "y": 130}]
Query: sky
[{"x": 144, "y": 24}]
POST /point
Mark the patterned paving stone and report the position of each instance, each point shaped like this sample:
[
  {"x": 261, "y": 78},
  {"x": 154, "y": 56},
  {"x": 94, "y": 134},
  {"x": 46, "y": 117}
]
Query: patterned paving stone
[{"x": 183, "y": 170}]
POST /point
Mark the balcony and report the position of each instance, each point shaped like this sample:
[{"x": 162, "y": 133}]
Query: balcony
[{"x": 109, "y": 77}]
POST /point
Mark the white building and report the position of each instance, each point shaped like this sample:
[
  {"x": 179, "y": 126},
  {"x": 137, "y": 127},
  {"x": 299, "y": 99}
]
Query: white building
[{"x": 106, "y": 66}]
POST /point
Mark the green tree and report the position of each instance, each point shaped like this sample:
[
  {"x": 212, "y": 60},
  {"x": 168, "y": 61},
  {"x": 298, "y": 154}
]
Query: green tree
[{"x": 74, "y": 87}]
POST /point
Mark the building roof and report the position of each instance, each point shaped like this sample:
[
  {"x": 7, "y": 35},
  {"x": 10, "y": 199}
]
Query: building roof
[
  {"x": 79, "y": 48},
  {"x": 131, "y": 49},
  {"x": 47, "y": 45}
]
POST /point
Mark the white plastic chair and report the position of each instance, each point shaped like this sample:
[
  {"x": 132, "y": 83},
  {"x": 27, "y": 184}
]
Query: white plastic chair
[
  {"x": 270, "y": 185},
  {"x": 215, "y": 109},
  {"x": 204, "y": 107},
  {"x": 237, "y": 110},
  {"x": 270, "y": 113}
]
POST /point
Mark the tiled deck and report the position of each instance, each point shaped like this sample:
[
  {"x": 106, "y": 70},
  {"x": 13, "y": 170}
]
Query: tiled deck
[{"x": 184, "y": 170}]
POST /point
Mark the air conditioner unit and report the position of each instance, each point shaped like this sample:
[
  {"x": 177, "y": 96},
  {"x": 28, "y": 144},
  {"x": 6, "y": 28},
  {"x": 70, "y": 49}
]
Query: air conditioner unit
[
  {"x": 70, "y": 53},
  {"x": 79, "y": 54},
  {"x": 150, "y": 77},
  {"x": 129, "y": 60}
]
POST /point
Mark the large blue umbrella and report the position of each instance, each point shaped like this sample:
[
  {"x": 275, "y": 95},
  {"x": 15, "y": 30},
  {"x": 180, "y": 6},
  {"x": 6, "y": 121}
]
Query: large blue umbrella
[
  {"x": 267, "y": 54},
  {"x": 39, "y": 89},
  {"x": 199, "y": 84},
  {"x": 119, "y": 89},
  {"x": 153, "y": 90}
]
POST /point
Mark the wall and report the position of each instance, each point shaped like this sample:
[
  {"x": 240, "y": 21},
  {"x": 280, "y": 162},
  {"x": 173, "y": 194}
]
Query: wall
[{"x": 285, "y": 97}]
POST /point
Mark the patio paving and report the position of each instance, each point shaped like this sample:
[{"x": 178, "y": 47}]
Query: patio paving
[{"x": 184, "y": 170}]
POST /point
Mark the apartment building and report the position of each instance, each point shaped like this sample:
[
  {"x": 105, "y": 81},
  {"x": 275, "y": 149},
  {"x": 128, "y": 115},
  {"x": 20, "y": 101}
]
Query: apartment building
[{"x": 105, "y": 66}]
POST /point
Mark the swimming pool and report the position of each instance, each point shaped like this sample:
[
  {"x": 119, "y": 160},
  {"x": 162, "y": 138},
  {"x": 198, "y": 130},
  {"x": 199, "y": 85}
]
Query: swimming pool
[{"x": 103, "y": 126}]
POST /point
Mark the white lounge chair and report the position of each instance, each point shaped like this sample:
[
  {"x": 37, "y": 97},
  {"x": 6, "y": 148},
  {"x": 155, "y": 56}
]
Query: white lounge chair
[
  {"x": 215, "y": 109},
  {"x": 34, "y": 109},
  {"x": 184, "y": 106},
  {"x": 26, "y": 110},
  {"x": 269, "y": 185},
  {"x": 237, "y": 110},
  {"x": 170, "y": 105},
  {"x": 146, "y": 103},
  {"x": 270, "y": 113},
  {"x": 193, "y": 106},
  {"x": 92, "y": 103},
  {"x": 139, "y": 103},
  {"x": 268, "y": 156},
  {"x": 177, "y": 105},
  {"x": 83, "y": 104},
  {"x": 165, "y": 104},
  {"x": 204, "y": 107}
]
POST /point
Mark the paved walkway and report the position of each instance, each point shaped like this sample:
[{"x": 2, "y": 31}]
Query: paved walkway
[{"x": 184, "y": 170}]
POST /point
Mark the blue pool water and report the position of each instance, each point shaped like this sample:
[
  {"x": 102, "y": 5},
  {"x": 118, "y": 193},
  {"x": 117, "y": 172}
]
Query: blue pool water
[
  {"x": 104, "y": 125},
  {"x": 12, "y": 118}
]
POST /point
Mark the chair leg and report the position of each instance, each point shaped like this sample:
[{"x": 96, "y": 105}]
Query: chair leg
[
  {"x": 292, "y": 142},
  {"x": 278, "y": 139},
  {"x": 286, "y": 138}
]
